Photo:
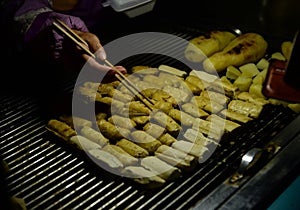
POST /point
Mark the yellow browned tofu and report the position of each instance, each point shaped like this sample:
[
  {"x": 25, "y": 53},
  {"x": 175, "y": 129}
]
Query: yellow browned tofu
[
  {"x": 60, "y": 129},
  {"x": 205, "y": 45},
  {"x": 132, "y": 148},
  {"x": 249, "y": 47}
]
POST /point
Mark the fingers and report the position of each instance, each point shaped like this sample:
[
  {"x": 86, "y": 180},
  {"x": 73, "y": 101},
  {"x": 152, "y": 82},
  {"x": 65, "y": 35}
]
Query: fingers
[
  {"x": 101, "y": 54},
  {"x": 94, "y": 44},
  {"x": 103, "y": 68},
  {"x": 95, "y": 47}
]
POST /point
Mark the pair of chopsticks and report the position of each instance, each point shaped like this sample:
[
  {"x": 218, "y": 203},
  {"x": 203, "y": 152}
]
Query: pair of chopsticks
[{"x": 120, "y": 76}]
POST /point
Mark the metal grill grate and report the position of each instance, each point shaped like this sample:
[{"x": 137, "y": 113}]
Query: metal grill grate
[{"x": 48, "y": 174}]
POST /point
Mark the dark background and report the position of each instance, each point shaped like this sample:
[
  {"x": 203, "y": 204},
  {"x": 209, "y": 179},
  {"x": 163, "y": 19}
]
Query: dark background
[{"x": 273, "y": 17}]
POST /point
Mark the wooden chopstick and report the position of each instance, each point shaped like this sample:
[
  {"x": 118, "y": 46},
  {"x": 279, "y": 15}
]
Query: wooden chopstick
[
  {"x": 80, "y": 44},
  {"x": 72, "y": 32},
  {"x": 79, "y": 41},
  {"x": 142, "y": 98},
  {"x": 149, "y": 102}
]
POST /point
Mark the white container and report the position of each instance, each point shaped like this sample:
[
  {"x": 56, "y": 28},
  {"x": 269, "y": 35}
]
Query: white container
[{"x": 131, "y": 8}]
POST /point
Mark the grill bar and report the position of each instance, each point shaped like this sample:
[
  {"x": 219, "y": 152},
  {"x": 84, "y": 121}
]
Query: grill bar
[
  {"x": 63, "y": 187},
  {"x": 67, "y": 196}
]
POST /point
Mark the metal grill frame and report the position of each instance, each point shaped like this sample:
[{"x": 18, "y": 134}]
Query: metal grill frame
[{"x": 51, "y": 175}]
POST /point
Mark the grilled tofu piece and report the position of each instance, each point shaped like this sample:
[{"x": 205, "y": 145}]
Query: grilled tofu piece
[
  {"x": 196, "y": 150},
  {"x": 75, "y": 122},
  {"x": 94, "y": 135},
  {"x": 161, "y": 168},
  {"x": 180, "y": 95},
  {"x": 197, "y": 137},
  {"x": 182, "y": 117},
  {"x": 166, "y": 121},
  {"x": 167, "y": 139},
  {"x": 208, "y": 128},
  {"x": 138, "y": 68},
  {"x": 215, "y": 96},
  {"x": 140, "y": 120},
  {"x": 89, "y": 95},
  {"x": 125, "y": 158},
  {"x": 137, "y": 108},
  {"x": 106, "y": 160},
  {"x": 205, "y": 45},
  {"x": 119, "y": 96},
  {"x": 247, "y": 48},
  {"x": 208, "y": 105},
  {"x": 60, "y": 129},
  {"x": 176, "y": 157},
  {"x": 229, "y": 125},
  {"x": 246, "y": 96},
  {"x": 84, "y": 143},
  {"x": 143, "y": 176},
  {"x": 245, "y": 108},
  {"x": 235, "y": 116},
  {"x": 132, "y": 148},
  {"x": 163, "y": 106},
  {"x": 145, "y": 140},
  {"x": 172, "y": 70},
  {"x": 112, "y": 132},
  {"x": 194, "y": 110},
  {"x": 197, "y": 81},
  {"x": 224, "y": 86},
  {"x": 154, "y": 130},
  {"x": 122, "y": 122}
]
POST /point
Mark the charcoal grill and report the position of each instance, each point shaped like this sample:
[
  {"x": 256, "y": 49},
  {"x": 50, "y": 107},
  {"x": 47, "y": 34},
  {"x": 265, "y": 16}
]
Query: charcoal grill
[{"x": 49, "y": 174}]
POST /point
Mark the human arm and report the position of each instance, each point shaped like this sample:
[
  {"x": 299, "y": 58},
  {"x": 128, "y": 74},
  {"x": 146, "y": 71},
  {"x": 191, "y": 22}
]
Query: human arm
[{"x": 36, "y": 23}]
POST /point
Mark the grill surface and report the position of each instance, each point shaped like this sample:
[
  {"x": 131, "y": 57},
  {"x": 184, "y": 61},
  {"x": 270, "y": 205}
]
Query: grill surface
[{"x": 48, "y": 174}]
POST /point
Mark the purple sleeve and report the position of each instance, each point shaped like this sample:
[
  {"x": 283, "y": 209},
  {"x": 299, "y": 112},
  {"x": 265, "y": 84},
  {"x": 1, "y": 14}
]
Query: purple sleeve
[
  {"x": 35, "y": 19},
  {"x": 43, "y": 24}
]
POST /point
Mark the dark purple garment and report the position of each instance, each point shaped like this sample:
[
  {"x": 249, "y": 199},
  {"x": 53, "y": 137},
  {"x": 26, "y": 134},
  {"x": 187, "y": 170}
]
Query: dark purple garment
[
  {"x": 88, "y": 10},
  {"x": 81, "y": 17}
]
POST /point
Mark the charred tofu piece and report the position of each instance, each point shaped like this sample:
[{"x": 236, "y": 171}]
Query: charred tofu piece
[
  {"x": 246, "y": 48},
  {"x": 112, "y": 132},
  {"x": 167, "y": 139},
  {"x": 132, "y": 148},
  {"x": 166, "y": 121},
  {"x": 75, "y": 122},
  {"x": 60, "y": 129},
  {"x": 201, "y": 47}
]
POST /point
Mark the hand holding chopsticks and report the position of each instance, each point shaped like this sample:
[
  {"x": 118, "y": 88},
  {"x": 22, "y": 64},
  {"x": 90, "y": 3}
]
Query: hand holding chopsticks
[{"x": 84, "y": 46}]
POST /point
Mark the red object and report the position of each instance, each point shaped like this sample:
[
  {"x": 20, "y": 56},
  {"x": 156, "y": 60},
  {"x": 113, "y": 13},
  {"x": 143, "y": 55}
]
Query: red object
[{"x": 276, "y": 86}]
